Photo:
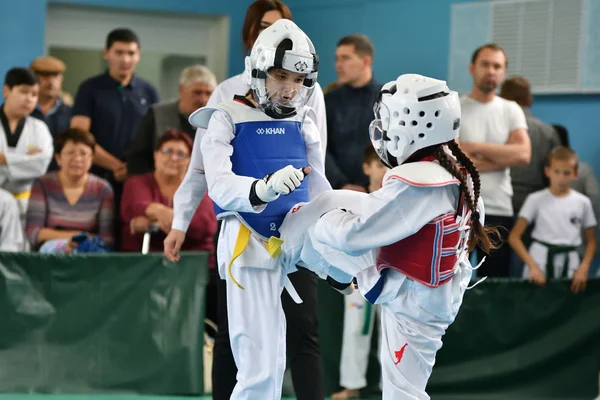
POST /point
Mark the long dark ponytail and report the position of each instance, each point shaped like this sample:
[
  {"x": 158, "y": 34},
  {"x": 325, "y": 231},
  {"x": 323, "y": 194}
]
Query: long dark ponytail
[{"x": 481, "y": 236}]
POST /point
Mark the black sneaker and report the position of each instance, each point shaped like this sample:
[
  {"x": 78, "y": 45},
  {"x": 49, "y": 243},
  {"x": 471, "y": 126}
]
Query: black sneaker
[{"x": 343, "y": 288}]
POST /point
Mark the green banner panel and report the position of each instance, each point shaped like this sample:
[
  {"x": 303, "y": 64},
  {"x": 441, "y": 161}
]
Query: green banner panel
[
  {"x": 511, "y": 340},
  {"x": 102, "y": 323},
  {"x": 134, "y": 323}
]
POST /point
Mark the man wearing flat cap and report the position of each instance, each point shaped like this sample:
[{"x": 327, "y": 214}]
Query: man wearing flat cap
[{"x": 51, "y": 107}]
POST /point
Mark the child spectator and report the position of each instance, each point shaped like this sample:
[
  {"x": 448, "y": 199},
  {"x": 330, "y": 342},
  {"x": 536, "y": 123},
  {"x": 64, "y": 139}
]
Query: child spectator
[
  {"x": 559, "y": 214},
  {"x": 359, "y": 314}
]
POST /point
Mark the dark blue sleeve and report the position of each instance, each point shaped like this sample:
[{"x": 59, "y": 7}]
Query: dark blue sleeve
[
  {"x": 153, "y": 95},
  {"x": 333, "y": 172},
  {"x": 67, "y": 111},
  {"x": 84, "y": 100}
]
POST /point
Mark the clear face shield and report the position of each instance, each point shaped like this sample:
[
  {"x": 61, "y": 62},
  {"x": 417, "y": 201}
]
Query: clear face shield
[
  {"x": 377, "y": 132},
  {"x": 286, "y": 91},
  {"x": 288, "y": 86}
]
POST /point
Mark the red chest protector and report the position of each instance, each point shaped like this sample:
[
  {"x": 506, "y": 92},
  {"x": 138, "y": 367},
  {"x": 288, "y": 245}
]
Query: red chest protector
[{"x": 429, "y": 255}]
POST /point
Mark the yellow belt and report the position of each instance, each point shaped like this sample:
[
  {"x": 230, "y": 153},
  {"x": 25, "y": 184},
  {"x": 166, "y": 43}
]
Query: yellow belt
[
  {"x": 273, "y": 246},
  {"x": 22, "y": 195}
]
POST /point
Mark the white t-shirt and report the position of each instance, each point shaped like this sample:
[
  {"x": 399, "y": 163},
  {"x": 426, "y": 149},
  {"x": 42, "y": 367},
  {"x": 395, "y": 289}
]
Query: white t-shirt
[
  {"x": 492, "y": 123},
  {"x": 236, "y": 85},
  {"x": 558, "y": 220}
]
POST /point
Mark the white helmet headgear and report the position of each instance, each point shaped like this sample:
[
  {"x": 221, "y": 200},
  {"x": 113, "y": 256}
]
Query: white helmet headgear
[
  {"x": 413, "y": 112},
  {"x": 282, "y": 45}
]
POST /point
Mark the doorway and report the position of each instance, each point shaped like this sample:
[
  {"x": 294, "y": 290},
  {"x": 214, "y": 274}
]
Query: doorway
[{"x": 169, "y": 43}]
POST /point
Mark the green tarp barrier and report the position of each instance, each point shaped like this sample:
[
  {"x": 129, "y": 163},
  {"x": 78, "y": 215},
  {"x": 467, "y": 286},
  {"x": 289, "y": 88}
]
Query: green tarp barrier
[
  {"x": 101, "y": 323},
  {"x": 510, "y": 340},
  {"x": 134, "y": 323},
  {"x": 514, "y": 340}
]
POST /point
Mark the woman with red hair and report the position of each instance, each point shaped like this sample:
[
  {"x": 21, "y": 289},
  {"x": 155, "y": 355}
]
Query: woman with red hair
[{"x": 148, "y": 200}]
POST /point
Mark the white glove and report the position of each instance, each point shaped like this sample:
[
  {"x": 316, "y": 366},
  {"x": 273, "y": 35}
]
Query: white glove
[{"x": 284, "y": 181}]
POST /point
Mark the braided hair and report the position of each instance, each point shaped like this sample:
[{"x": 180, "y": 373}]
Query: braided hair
[{"x": 480, "y": 235}]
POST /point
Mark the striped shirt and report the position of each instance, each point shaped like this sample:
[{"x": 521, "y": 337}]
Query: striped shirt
[{"x": 49, "y": 208}]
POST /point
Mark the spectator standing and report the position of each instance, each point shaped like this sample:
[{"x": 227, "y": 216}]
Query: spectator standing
[
  {"x": 349, "y": 113},
  {"x": 111, "y": 105},
  {"x": 493, "y": 133},
  {"x": 196, "y": 85}
]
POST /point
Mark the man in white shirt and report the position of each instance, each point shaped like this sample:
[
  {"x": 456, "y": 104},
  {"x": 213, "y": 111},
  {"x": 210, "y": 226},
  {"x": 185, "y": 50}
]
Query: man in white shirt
[{"x": 494, "y": 134}]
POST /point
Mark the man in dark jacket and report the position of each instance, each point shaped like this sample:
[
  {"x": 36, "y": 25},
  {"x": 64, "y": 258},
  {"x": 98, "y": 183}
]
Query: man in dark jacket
[
  {"x": 196, "y": 84},
  {"x": 349, "y": 113}
]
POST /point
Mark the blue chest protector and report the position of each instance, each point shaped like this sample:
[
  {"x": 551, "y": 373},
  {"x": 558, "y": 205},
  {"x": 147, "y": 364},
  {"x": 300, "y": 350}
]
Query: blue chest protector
[{"x": 263, "y": 145}]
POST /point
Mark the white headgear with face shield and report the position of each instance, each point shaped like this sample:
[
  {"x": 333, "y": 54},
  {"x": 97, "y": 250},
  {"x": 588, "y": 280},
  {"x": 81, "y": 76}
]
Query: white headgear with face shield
[
  {"x": 285, "y": 46},
  {"x": 413, "y": 112}
]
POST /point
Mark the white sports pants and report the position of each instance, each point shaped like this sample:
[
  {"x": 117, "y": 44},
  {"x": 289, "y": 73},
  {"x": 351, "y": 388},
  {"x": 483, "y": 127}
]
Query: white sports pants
[
  {"x": 257, "y": 326},
  {"x": 412, "y": 327},
  {"x": 359, "y": 318},
  {"x": 414, "y": 317}
]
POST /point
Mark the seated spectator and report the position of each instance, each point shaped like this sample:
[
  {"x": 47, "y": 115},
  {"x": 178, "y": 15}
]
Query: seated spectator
[
  {"x": 12, "y": 237},
  {"x": 70, "y": 201},
  {"x": 148, "y": 199}
]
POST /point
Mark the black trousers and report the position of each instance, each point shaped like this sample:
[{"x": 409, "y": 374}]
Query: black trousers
[
  {"x": 498, "y": 263},
  {"x": 211, "y": 310},
  {"x": 303, "y": 352}
]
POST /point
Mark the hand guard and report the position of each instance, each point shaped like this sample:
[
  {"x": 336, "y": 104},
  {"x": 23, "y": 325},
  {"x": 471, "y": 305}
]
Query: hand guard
[{"x": 284, "y": 181}]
